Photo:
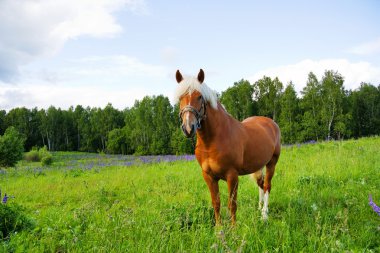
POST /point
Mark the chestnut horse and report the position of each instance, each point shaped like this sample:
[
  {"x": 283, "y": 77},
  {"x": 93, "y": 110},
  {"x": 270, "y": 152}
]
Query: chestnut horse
[{"x": 226, "y": 147}]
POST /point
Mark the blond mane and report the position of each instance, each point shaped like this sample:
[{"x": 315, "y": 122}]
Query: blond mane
[{"x": 190, "y": 84}]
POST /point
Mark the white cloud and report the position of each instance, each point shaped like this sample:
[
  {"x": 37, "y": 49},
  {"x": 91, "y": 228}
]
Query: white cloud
[
  {"x": 43, "y": 96},
  {"x": 97, "y": 70},
  {"x": 368, "y": 48},
  {"x": 115, "y": 66},
  {"x": 353, "y": 72},
  {"x": 92, "y": 81},
  {"x": 33, "y": 29}
]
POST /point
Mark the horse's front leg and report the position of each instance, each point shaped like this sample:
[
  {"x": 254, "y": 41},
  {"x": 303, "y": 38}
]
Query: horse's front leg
[
  {"x": 232, "y": 182},
  {"x": 213, "y": 186}
]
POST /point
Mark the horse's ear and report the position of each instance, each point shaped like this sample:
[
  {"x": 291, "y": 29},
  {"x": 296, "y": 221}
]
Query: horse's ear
[
  {"x": 201, "y": 76},
  {"x": 178, "y": 76}
]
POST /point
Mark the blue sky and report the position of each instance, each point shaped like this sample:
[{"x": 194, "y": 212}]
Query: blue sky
[{"x": 73, "y": 52}]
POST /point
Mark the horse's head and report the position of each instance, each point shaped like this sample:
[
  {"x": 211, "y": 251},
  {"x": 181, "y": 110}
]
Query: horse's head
[{"x": 192, "y": 103}]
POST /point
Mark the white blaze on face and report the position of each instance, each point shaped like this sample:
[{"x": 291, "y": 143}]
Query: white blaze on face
[
  {"x": 187, "y": 122},
  {"x": 189, "y": 119}
]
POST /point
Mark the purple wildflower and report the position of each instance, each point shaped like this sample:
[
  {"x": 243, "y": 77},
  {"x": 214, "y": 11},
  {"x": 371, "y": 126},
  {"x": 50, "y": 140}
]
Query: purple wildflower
[
  {"x": 145, "y": 159},
  {"x": 5, "y": 199},
  {"x": 373, "y": 205}
]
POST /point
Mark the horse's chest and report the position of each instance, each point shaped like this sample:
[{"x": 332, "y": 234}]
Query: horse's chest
[{"x": 212, "y": 165}]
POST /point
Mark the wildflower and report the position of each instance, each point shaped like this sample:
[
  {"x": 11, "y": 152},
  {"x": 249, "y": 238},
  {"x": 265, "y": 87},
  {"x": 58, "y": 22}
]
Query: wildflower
[
  {"x": 373, "y": 205},
  {"x": 5, "y": 199}
]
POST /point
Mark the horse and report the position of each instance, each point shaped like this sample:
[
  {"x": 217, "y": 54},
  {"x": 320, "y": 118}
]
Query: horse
[{"x": 227, "y": 148}]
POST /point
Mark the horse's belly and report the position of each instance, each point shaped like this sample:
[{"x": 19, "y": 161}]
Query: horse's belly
[
  {"x": 250, "y": 168},
  {"x": 253, "y": 162}
]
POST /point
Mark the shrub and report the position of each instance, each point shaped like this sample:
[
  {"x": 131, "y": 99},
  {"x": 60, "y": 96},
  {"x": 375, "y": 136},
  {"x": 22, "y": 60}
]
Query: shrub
[
  {"x": 11, "y": 147},
  {"x": 32, "y": 156},
  {"x": 13, "y": 219},
  {"x": 39, "y": 155},
  {"x": 42, "y": 151},
  {"x": 47, "y": 159}
]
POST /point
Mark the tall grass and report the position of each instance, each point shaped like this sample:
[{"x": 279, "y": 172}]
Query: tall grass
[{"x": 318, "y": 203}]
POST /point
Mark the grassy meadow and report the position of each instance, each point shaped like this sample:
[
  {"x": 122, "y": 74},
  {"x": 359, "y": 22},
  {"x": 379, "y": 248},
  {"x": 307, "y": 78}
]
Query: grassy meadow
[{"x": 101, "y": 203}]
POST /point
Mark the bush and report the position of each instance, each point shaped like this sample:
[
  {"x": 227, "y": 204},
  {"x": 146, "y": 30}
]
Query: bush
[
  {"x": 39, "y": 155},
  {"x": 32, "y": 156},
  {"x": 13, "y": 219},
  {"x": 47, "y": 159},
  {"x": 11, "y": 147}
]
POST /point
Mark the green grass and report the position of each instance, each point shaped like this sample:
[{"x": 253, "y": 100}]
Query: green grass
[{"x": 318, "y": 203}]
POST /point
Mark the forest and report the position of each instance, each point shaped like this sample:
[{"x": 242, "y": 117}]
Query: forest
[{"x": 324, "y": 110}]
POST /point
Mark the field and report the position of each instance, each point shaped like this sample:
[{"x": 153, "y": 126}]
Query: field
[{"x": 100, "y": 203}]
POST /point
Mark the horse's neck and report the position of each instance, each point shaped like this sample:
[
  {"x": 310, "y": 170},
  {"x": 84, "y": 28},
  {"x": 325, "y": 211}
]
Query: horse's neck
[{"x": 214, "y": 125}]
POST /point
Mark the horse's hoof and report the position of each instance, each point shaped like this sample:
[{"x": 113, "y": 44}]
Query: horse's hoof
[{"x": 264, "y": 215}]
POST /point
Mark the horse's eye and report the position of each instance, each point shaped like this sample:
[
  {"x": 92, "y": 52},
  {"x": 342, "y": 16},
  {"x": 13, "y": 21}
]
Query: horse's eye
[{"x": 200, "y": 98}]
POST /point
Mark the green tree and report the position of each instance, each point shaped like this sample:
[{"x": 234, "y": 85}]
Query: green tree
[
  {"x": 68, "y": 130},
  {"x": 142, "y": 133},
  {"x": 179, "y": 144},
  {"x": 311, "y": 104},
  {"x": 289, "y": 116},
  {"x": 87, "y": 136},
  {"x": 54, "y": 124},
  {"x": 162, "y": 125},
  {"x": 24, "y": 120},
  {"x": 129, "y": 126},
  {"x": 50, "y": 127},
  {"x": 116, "y": 143},
  {"x": 83, "y": 132},
  {"x": 238, "y": 100},
  {"x": 267, "y": 93},
  {"x": 42, "y": 128},
  {"x": 11, "y": 147},
  {"x": 365, "y": 110},
  {"x": 103, "y": 121},
  {"x": 3, "y": 124},
  {"x": 333, "y": 93}
]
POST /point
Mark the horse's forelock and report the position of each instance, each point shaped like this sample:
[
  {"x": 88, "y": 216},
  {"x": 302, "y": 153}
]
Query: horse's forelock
[{"x": 190, "y": 84}]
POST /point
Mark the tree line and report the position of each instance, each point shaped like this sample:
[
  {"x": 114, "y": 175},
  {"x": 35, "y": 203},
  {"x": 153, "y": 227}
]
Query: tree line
[{"x": 325, "y": 110}]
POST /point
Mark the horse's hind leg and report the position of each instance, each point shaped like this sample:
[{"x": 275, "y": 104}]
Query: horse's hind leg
[
  {"x": 258, "y": 176},
  {"x": 270, "y": 167}
]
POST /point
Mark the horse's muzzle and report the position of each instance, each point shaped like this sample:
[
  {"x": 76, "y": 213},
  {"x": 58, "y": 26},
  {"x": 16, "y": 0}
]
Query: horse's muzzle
[{"x": 186, "y": 132}]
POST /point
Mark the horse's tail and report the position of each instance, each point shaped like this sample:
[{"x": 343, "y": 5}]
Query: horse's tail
[
  {"x": 258, "y": 176},
  {"x": 277, "y": 149}
]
